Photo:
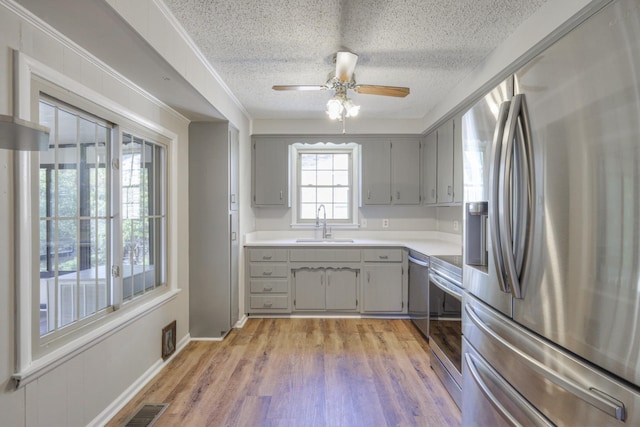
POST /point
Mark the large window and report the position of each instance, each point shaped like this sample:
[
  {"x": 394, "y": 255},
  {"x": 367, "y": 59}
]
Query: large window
[
  {"x": 80, "y": 277},
  {"x": 324, "y": 176}
]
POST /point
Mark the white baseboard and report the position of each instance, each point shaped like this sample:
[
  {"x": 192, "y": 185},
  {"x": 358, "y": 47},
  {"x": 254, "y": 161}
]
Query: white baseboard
[
  {"x": 119, "y": 403},
  {"x": 240, "y": 323}
]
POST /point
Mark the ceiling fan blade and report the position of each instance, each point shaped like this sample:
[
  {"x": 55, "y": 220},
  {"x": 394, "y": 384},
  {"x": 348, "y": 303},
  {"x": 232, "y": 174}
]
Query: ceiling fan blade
[
  {"x": 300, "y": 87},
  {"x": 345, "y": 65},
  {"x": 399, "y": 92}
]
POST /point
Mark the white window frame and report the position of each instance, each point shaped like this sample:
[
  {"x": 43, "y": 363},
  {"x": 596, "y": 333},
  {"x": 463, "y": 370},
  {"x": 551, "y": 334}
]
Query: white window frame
[
  {"x": 301, "y": 147},
  {"x": 34, "y": 359}
]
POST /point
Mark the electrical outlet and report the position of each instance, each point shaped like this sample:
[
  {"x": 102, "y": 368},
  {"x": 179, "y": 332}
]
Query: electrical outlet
[
  {"x": 363, "y": 223},
  {"x": 456, "y": 225},
  {"x": 385, "y": 223}
]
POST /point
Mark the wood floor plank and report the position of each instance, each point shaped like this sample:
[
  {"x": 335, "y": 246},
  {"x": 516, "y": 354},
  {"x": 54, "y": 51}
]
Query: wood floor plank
[{"x": 303, "y": 372}]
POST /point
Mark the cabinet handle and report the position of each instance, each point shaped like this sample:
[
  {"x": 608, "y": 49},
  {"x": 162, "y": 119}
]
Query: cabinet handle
[
  {"x": 267, "y": 257},
  {"x": 397, "y": 195},
  {"x": 267, "y": 289},
  {"x": 233, "y": 236},
  {"x": 368, "y": 276},
  {"x": 280, "y": 194},
  {"x": 368, "y": 194},
  {"x": 267, "y": 273},
  {"x": 383, "y": 256},
  {"x": 268, "y": 304},
  {"x": 448, "y": 190}
]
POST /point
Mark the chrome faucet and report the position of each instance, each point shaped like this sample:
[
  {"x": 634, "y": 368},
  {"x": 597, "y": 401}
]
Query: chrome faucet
[{"x": 325, "y": 234}]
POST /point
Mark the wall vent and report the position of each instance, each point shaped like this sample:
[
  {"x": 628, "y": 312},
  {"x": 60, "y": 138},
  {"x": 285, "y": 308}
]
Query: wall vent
[{"x": 146, "y": 415}]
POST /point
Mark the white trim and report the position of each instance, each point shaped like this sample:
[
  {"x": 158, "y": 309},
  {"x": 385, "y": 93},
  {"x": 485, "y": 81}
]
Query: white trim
[
  {"x": 112, "y": 410},
  {"x": 162, "y": 7},
  {"x": 241, "y": 322},
  {"x": 43, "y": 26},
  {"x": 59, "y": 356},
  {"x": 355, "y": 149}
]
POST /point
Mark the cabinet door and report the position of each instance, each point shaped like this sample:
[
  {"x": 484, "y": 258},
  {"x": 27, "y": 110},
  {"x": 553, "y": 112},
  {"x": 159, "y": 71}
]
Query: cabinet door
[
  {"x": 376, "y": 172},
  {"x": 457, "y": 160},
  {"x": 341, "y": 289},
  {"x": 270, "y": 172},
  {"x": 405, "y": 172},
  {"x": 309, "y": 289},
  {"x": 234, "y": 164},
  {"x": 383, "y": 288},
  {"x": 445, "y": 163},
  {"x": 430, "y": 168}
]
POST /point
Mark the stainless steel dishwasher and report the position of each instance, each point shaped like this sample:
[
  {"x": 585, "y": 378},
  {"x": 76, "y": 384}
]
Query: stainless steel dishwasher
[{"x": 419, "y": 291}]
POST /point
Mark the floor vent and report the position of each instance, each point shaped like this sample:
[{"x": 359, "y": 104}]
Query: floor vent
[{"x": 147, "y": 415}]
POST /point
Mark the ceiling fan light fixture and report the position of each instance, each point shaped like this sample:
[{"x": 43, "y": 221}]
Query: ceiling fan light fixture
[
  {"x": 334, "y": 108},
  {"x": 351, "y": 109}
]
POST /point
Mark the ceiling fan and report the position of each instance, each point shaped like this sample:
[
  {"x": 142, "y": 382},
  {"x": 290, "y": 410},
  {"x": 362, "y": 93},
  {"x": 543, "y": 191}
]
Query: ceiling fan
[{"x": 343, "y": 79}]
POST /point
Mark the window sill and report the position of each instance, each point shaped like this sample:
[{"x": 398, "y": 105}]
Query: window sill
[{"x": 52, "y": 360}]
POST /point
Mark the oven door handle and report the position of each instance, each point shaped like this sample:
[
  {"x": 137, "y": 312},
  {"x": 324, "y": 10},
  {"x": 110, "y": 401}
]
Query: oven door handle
[
  {"x": 417, "y": 261},
  {"x": 446, "y": 286}
]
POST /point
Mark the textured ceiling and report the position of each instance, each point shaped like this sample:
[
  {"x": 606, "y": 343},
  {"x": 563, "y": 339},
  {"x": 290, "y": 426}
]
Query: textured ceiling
[{"x": 427, "y": 45}]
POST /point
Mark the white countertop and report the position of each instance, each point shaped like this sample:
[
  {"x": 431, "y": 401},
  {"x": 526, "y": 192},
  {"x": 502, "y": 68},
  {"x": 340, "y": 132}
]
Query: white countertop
[{"x": 425, "y": 242}]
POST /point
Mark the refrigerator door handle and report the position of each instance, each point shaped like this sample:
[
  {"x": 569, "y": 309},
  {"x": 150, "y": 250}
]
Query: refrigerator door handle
[
  {"x": 515, "y": 158},
  {"x": 591, "y": 395},
  {"x": 475, "y": 367},
  {"x": 496, "y": 188}
]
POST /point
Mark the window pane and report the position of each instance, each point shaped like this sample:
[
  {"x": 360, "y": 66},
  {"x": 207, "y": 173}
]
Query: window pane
[
  {"x": 340, "y": 211},
  {"x": 308, "y": 195},
  {"x": 325, "y": 178},
  {"x": 341, "y": 178},
  {"x": 308, "y": 211},
  {"x": 308, "y": 161},
  {"x": 341, "y": 195},
  {"x": 66, "y": 249},
  {"x": 325, "y": 195},
  {"x": 341, "y": 161},
  {"x": 67, "y": 196},
  {"x": 325, "y": 162},
  {"x": 308, "y": 177}
]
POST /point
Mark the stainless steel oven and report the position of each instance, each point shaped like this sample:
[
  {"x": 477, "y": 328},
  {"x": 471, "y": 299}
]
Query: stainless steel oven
[
  {"x": 445, "y": 322},
  {"x": 419, "y": 291}
]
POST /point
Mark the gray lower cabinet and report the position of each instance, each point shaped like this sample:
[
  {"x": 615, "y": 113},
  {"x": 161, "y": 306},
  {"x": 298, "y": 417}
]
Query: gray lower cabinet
[
  {"x": 281, "y": 280},
  {"x": 325, "y": 289},
  {"x": 268, "y": 272},
  {"x": 383, "y": 289}
]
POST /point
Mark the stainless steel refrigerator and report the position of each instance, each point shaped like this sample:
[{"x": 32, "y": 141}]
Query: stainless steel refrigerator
[{"x": 551, "y": 317}]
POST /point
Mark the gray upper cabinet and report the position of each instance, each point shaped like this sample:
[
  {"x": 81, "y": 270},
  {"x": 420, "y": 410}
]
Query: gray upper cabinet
[
  {"x": 270, "y": 172},
  {"x": 430, "y": 168},
  {"x": 405, "y": 171},
  {"x": 444, "y": 193},
  {"x": 376, "y": 172},
  {"x": 457, "y": 159},
  {"x": 391, "y": 171},
  {"x": 213, "y": 231}
]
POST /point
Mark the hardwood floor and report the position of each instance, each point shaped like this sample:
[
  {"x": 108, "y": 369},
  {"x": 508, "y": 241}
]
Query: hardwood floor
[{"x": 303, "y": 373}]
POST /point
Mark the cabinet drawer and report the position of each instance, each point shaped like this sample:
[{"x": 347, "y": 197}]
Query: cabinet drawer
[
  {"x": 268, "y": 255},
  {"x": 269, "y": 286},
  {"x": 268, "y": 270},
  {"x": 383, "y": 255},
  {"x": 325, "y": 255},
  {"x": 269, "y": 302}
]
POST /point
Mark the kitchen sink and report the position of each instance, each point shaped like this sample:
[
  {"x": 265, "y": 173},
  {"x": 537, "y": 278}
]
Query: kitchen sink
[{"x": 327, "y": 241}]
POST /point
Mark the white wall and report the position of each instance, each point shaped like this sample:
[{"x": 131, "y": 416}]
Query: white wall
[{"x": 79, "y": 389}]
